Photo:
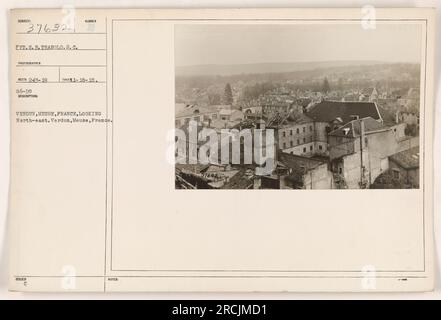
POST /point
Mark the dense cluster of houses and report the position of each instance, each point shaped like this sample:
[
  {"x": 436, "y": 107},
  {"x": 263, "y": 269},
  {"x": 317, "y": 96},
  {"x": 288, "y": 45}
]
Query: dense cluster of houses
[{"x": 320, "y": 144}]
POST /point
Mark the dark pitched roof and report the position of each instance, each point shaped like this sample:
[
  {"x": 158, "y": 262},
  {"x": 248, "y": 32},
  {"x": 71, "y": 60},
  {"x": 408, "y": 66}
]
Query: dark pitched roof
[
  {"x": 327, "y": 111},
  {"x": 352, "y": 128},
  {"x": 409, "y": 159}
]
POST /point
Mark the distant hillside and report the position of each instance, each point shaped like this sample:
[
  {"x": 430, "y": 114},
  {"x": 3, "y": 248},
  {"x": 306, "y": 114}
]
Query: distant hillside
[{"x": 257, "y": 68}]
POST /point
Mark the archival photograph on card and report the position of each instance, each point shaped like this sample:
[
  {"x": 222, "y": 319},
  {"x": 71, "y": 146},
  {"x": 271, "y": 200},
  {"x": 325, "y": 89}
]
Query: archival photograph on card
[{"x": 297, "y": 106}]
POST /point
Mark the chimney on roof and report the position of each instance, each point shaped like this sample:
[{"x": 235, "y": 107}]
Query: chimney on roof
[{"x": 362, "y": 134}]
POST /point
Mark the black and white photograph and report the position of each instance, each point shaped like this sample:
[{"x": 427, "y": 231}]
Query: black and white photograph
[{"x": 298, "y": 105}]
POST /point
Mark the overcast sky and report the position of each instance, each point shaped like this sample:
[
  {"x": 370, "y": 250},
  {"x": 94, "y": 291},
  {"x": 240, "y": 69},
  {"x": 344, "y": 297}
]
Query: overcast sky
[{"x": 241, "y": 44}]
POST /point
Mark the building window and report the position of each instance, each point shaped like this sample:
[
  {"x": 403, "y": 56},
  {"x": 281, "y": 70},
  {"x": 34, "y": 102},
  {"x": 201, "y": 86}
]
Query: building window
[
  {"x": 304, "y": 150},
  {"x": 284, "y": 134},
  {"x": 290, "y": 132},
  {"x": 396, "y": 174},
  {"x": 310, "y": 128},
  {"x": 310, "y": 148},
  {"x": 320, "y": 147},
  {"x": 304, "y": 129},
  {"x": 340, "y": 170},
  {"x": 291, "y": 143},
  {"x": 304, "y": 140},
  {"x": 284, "y": 145},
  {"x": 298, "y": 141},
  {"x": 298, "y": 130}
]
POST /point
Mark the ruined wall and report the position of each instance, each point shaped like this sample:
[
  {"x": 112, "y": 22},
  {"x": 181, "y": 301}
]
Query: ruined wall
[{"x": 409, "y": 117}]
